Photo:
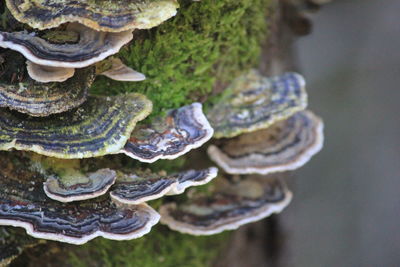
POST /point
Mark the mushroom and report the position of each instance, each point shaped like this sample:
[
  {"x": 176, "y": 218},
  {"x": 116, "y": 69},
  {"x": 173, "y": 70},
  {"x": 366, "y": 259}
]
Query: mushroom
[
  {"x": 100, "y": 126},
  {"x": 284, "y": 146},
  {"x": 118, "y": 71},
  {"x": 19, "y": 92},
  {"x": 254, "y": 102},
  {"x": 177, "y": 133},
  {"x": 139, "y": 187},
  {"x": 232, "y": 203},
  {"x": 45, "y": 74},
  {"x": 100, "y": 15},
  {"x": 24, "y": 204},
  {"x": 88, "y": 48},
  {"x": 70, "y": 180}
]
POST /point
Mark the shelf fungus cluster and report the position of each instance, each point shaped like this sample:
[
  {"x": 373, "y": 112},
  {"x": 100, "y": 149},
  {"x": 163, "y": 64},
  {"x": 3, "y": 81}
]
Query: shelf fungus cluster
[
  {"x": 60, "y": 177},
  {"x": 261, "y": 128}
]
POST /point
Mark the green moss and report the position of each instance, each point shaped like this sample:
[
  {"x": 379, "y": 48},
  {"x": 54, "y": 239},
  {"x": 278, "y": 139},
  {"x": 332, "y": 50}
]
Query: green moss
[
  {"x": 160, "y": 248},
  {"x": 204, "y": 46}
]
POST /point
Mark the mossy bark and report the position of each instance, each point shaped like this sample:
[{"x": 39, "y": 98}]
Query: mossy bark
[{"x": 191, "y": 57}]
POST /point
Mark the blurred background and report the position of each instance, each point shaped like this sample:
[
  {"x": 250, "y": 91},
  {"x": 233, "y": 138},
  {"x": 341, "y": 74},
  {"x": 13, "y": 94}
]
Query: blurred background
[{"x": 346, "y": 206}]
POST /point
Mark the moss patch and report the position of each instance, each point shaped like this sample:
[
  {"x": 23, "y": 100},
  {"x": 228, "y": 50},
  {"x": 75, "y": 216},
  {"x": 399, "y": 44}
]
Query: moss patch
[
  {"x": 160, "y": 248},
  {"x": 203, "y": 47}
]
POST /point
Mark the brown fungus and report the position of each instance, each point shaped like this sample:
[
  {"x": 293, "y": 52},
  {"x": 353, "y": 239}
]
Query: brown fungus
[
  {"x": 100, "y": 126},
  {"x": 253, "y": 102},
  {"x": 284, "y": 146},
  {"x": 23, "y": 203},
  {"x": 139, "y": 186},
  {"x": 120, "y": 72},
  {"x": 232, "y": 203},
  {"x": 45, "y": 74},
  {"x": 177, "y": 133},
  {"x": 91, "y": 46},
  {"x": 100, "y": 15},
  {"x": 20, "y": 92}
]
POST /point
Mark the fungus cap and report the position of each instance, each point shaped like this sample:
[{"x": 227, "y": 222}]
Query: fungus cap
[
  {"x": 139, "y": 187},
  {"x": 253, "y": 102},
  {"x": 23, "y": 203},
  {"x": 120, "y": 72},
  {"x": 19, "y": 92},
  {"x": 100, "y": 15},
  {"x": 230, "y": 205},
  {"x": 100, "y": 126},
  {"x": 45, "y": 74},
  {"x": 284, "y": 146},
  {"x": 177, "y": 133},
  {"x": 90, "y": 47}
]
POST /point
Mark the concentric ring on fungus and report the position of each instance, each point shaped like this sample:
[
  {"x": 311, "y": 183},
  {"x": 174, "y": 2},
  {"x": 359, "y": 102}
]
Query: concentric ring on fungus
[
  {"x": 20, "y": 92},
  {"x": 231, "y": 203},
  {"x": 254, "y": 102},
  {"x": 286, "y": 145},
  {"x": 89, "y": 47},
  {"x": 100, "y": 15},
  {"x": 100, "y": 126},
  {"x": 169, "y": 137},
  {"x": 23, "y": 203},
  {"x": 138, "y": 187}
]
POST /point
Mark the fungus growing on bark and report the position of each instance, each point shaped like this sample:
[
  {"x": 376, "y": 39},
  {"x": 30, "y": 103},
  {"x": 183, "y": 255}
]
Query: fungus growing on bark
[
  {"x": 23, "y": 203},
  {"x": 138, "y": 187},
  {"x": 232, "y": 203},
  {"x": 19, "y": 92},
  {"x": 177, "y": 133},
  {"x": 284, "y": 146},
  {"x": 90, "y": 47},
  {"x": 117, "y": 70},
  {"x": 253, "y": 102},
  {"x": 100, "y": 15},
  {"x": 100, "y": 126}
]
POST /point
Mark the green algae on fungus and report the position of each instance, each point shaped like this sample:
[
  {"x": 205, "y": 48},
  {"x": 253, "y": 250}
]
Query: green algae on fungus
[
  {"x": 286, "y": 145},
  {"x": 202, "y": 47},
  {"x": 254, "y": 102},
  {"x": 101, "y": 15},
  {"x": 100, "y": 126},
  {"x": 20, "y": 92}
]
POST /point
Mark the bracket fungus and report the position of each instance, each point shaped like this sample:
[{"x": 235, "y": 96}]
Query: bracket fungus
[
  {"x": 100, "y": 126},
  {"x": 177, "y": 133},
  {"x": 139, "y": 187},
  {"x": 23, "y": 203},
  {"x": 284, "y": 146},
  {"x": 100, "y": 15},
  {"x": 19, "y": 92},
  {"x": 253, "y": 102},
  {"x": 232, "y": 203},
  {"x": 69, "y": 180},
  {"x": 117, "y": 70},
  {"x": 90, "y": 47}
]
